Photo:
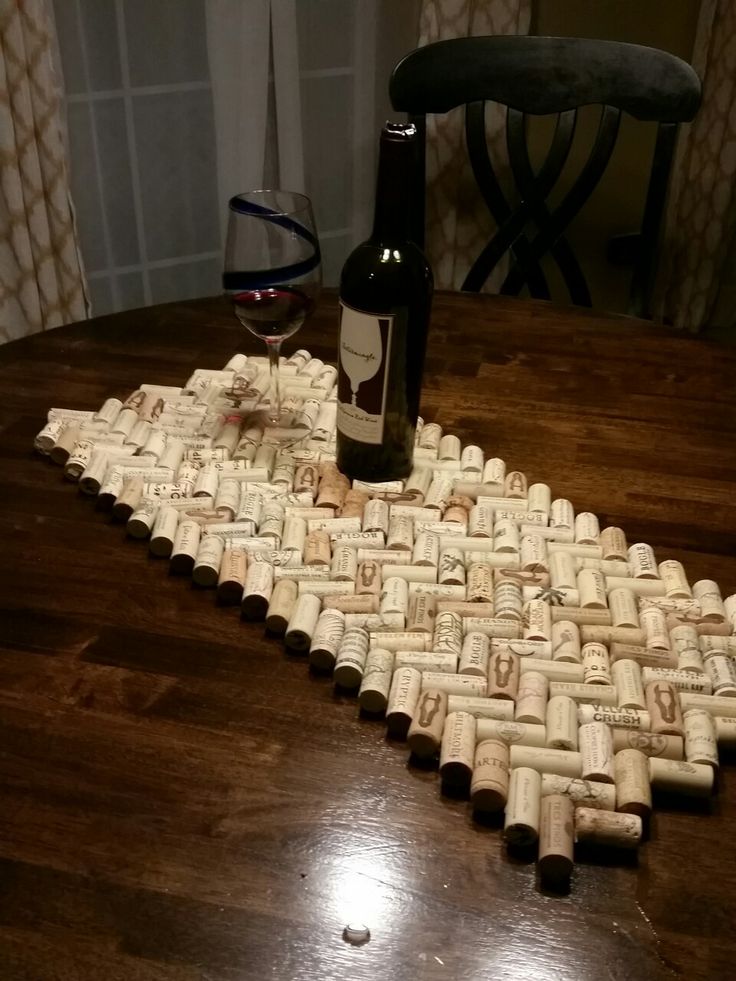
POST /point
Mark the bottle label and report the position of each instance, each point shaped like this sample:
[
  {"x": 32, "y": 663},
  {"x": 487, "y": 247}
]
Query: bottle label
[{"x": 364, "y": 352}]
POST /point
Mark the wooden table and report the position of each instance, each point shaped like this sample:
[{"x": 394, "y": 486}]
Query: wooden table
[{"x": 181, "y": 800}]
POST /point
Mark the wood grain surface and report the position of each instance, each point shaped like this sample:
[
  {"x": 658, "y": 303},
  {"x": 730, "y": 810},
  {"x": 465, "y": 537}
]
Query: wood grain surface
[{"x": 183, "y": 801}]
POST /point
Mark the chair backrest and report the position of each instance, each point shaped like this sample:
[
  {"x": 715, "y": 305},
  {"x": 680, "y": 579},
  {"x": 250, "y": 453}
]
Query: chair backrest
[{"x": 542, "y": 76}]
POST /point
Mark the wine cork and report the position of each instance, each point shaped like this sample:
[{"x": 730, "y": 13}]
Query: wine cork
[
  {"x": 596, "y": 750},
  {"x": 506, "y": 537},
  {"x": 394, "y": 595},
  {"x": 425, "y": 732},
  {"x": 472, "y": 460},
  {"x": 376, "y": 683},
  {"x": 456, "y": 516},
  {"x": 422, "y": 614},
  {"x": 582, "y": 793},
  {"x": 556, "y": 839},
  {"x": 613, "y": 543},
  {"x": 680, "y": 680},
  {"x": 596, "y": 665},
  {"x": 326, "y": 638},
  {"x": 141, "y": 520},
  {"x": 331, "y": 493},
  {"x": 587, "y": 529},
  {"x": 480, "y": 583},
  {"x": 607, "y": 828},
  {"x": 595, "y": 694},
  {"x": 489, "y": 786},
  {"x": 523, "y": 733},
  {"x": 493, "y": 476},
  {"x": 206, "y": 570},
  {"x": 364, "y": 603},
  {"x": 614, "y": 716},
  {"x": 259, "y": 584},
  {"x": 708, "y": 595},
  {"x": 672, "y": 574},
  {"x": 317, "y": 548},
  {"x": 448, "y": 633},
  {"x": 533, "y": 554},
  {"x": 561, "y": 721},
  {"x": 457, "y": 751},
  {"x": 306, "y": 478},
  {"x": 633, "y": 792},
  {"x": 496, "y": 709},
  {"x": 426, "y": 551},
  {"x": 352, "y": 655},
  {"x": 521, "y": 821},
  {"x": 562, "y": 762},
  {"x": 654, "y": 624},
  {"x": 480, "y": 522},
  {"x": 721, "y": 674},
  {"x": 642, "y": 562},
  {"x": 563, "y": 574},
  {"x": 376, "y": 516},
  {"x": 455, "y": 684},
  {"x": 700, "y": 737},
  {"x": 537, "y": 621},
  {"x": 439, "y": 491},
  {"x": 231, "y": 581},
  {"x": 368, "y": 579},
  {"x": 503, "y": 675},
  {"x": 451, "y": 568},
  {"x": 645, "y": 657},
  {"x": 592, "y": 589},
  {"x": 713, "y": 644},
  {"x": 531, "y": 699},
  {"x": 303, "y": 622},
  {"x": 624, "y": 612},
  {"x": 227, "y": 500},
  {"x": 714, "y": 704},
  {"x": 402, "y": 701},
  {"x": 272, "y": 523},
  {"x": 627, "y": 679},
  {"x": 566, "y": 642},
  {"x": 539, "y": 499},
  {"x": 64, "y": 443},
  {"x": 344, "y": 566},
  {"x": 679, "y": 777},
  {"x": 449, "y": 448},
  {"x": 186, "y": 545},
  {"x": 649, "y": 743},
  {"x": 590, "y": 619},
  {"x": 427, "y": 661},
  {"x": 552, "y": 670},
  {"x": 663, "y": 706},
  {"x": 206, "y": 483},
  {"x": 294, "y": 535},
  {"x": 562, "y": 514},
  {"x": 475, "y": 654},
  {"x": 508, "y": 602},
  {"x": 323, "y": 587},
  {"x": 163, "y": 532},
  {"x": 128, "y": 499},
  {"x": 515, "y": 485},
  {"x": 281, "y": 606},
  {"x": 400, "y": 533}
]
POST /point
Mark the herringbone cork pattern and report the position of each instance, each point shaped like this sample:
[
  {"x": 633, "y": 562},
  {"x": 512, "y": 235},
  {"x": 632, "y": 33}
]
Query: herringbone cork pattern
[{"x": 41, "y": 278}]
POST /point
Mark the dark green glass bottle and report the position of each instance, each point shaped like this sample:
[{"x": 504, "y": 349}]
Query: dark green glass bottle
[{"x": 385, "y": 300}]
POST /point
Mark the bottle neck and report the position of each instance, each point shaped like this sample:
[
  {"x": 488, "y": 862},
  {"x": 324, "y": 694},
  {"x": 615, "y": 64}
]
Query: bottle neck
[{"x": 392, "y": 210}]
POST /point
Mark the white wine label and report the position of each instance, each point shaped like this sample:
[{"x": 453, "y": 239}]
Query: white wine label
[{"x": 365, "y": 350}]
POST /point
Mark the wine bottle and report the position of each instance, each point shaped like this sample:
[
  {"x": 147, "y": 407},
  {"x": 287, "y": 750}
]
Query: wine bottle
[{"x": 385, "y": 300}]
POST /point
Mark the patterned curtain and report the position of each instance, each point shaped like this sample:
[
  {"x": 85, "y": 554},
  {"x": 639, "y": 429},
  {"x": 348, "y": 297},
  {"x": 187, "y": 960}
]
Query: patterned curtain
[
  {"x": 457, "y": 221},
  {"x": 41, "y": 279},
  {"x": 700, "y": 229}
]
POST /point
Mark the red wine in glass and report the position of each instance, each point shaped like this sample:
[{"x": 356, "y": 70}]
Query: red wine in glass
[
  {"x": 273, "y": 313},
  {"x": 272, "y": 271}
]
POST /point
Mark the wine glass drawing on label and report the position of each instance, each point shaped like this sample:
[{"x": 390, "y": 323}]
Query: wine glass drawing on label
[{"x": 361, "y": 353}]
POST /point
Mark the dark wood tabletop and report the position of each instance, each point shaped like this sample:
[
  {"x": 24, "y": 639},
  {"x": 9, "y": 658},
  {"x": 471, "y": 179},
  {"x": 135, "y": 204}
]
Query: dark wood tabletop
[{"x": 182, "y": 801}]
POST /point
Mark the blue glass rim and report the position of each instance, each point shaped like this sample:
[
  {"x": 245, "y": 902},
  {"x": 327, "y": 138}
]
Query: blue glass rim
[{"x": 242, "y": 280}]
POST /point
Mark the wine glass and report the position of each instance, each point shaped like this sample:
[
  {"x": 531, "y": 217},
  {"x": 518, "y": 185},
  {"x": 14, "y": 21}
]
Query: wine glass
[{"x": 272, "y": 270}]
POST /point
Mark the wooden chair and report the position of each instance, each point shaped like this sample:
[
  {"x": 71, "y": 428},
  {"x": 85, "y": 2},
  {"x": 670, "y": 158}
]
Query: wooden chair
[{"x": 548, "y": 75}]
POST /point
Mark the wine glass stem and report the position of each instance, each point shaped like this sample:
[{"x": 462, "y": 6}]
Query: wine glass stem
[{"x": 274, "y": 353}]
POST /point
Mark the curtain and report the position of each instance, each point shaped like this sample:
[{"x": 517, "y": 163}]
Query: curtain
[
  {"x": 457, "y": 221},
  {"x": 257, "y": 125},
  {"x": 700, "y": 224},
  {"x": 41, "y": 277}
]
